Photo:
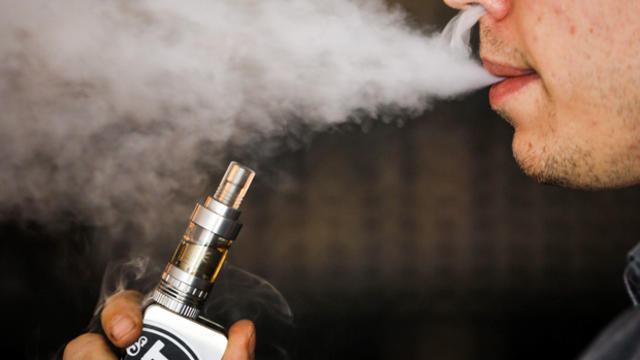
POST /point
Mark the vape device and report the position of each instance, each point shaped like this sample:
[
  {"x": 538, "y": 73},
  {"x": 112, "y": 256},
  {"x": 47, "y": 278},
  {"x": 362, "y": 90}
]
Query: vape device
[{"x": 172, "y": 326}]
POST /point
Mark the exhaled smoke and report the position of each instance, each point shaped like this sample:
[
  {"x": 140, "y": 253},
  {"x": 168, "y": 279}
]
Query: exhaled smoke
[{"x": 107, "y": 105}]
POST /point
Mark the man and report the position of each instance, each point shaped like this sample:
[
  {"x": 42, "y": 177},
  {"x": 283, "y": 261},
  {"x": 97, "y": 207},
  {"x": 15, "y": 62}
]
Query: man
[
  {"x": 572, "y": 94},
  {"x": 573, "y": 87}
]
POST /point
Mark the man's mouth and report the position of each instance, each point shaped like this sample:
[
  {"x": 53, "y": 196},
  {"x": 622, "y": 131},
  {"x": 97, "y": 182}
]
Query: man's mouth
[{"x": 515, "y": 79}]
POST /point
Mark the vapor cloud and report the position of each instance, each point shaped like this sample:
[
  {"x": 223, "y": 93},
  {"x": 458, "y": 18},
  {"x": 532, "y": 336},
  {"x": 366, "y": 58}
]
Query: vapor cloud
[{"x": 106, "y": 106}]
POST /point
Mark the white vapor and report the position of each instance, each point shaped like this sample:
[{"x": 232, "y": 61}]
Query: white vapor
[{"x": 107, "y": 105}]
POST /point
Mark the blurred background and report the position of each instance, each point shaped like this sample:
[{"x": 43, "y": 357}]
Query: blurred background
[{"x": 415, "y": 239}]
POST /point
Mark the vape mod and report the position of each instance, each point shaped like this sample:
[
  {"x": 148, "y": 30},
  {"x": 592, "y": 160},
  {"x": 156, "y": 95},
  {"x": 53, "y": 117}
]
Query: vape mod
[{"x": 172, "y": 328}]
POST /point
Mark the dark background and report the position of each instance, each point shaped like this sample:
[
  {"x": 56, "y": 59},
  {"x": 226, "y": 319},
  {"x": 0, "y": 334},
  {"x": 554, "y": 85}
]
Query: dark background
[{"x": 416, "y": 241}]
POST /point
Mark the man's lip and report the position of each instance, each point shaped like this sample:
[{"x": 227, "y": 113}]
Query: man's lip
[
  {"x": 503, "y": 90},
  {"x": 505, "y": 70},
  {"x": 514, "y": 79}
]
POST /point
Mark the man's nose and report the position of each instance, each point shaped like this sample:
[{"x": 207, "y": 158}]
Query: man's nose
[{"x": 498, "y": 9}]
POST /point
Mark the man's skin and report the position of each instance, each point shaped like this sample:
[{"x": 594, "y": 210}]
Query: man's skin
[
  {"x": 122, "y": 322},
  {"x": 573, "y": 100},
  {"x": 577, "y": 119}
]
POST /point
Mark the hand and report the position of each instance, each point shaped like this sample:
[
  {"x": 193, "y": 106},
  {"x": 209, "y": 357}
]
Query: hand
[{"x": 122, "y": 322}]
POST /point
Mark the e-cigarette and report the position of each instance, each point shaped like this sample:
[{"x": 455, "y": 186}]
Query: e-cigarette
[{"x": 172, "y": 326}]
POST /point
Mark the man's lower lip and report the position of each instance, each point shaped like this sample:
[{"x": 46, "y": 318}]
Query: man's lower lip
[{"x": 500, "y": 91}]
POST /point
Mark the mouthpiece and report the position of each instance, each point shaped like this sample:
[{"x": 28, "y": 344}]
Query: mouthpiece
[
  {"x": 189, "y": 276},
  {"x": 234, "y": 185}
]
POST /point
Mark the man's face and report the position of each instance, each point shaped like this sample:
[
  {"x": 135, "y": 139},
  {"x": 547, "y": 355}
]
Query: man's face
[{"x": 573, "y": 92}]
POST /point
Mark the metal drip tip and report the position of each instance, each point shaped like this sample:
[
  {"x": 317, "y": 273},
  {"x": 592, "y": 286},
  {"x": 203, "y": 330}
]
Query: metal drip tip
[{"x": 234, "y": 185}]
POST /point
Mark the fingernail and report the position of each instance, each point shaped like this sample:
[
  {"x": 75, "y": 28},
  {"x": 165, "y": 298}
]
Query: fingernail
[{"x": 122, "y": 325}]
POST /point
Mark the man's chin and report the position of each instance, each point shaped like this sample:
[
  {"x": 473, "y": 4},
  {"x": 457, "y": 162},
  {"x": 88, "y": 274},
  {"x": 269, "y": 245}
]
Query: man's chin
[
  {"x": 540, "y": 162},
  {"x": 546, "y": 177},
  {"x": 566, "y": 168}
]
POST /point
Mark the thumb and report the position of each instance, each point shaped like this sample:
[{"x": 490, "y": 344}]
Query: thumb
[
  {"x": 242, "y": 341},
  {"x": 122, "y": 318}
]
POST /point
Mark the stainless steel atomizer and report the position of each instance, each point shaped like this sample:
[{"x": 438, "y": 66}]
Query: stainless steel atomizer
[{"x": 172, "y": 328}]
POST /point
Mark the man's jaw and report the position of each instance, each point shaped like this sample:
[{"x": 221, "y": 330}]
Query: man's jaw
[{"x": 516, "y": 78}]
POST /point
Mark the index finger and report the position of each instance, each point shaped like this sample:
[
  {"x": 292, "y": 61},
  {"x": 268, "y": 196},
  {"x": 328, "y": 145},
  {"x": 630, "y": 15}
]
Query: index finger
[
  {"x": 242, "y": 341},
  {"x": 122, "y": 318}
]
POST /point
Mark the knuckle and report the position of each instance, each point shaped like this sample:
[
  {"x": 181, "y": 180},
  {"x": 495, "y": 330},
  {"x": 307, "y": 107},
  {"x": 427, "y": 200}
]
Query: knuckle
[
  {"x": 83, "y": 346},
  {"x": 125, "y": 296}
]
